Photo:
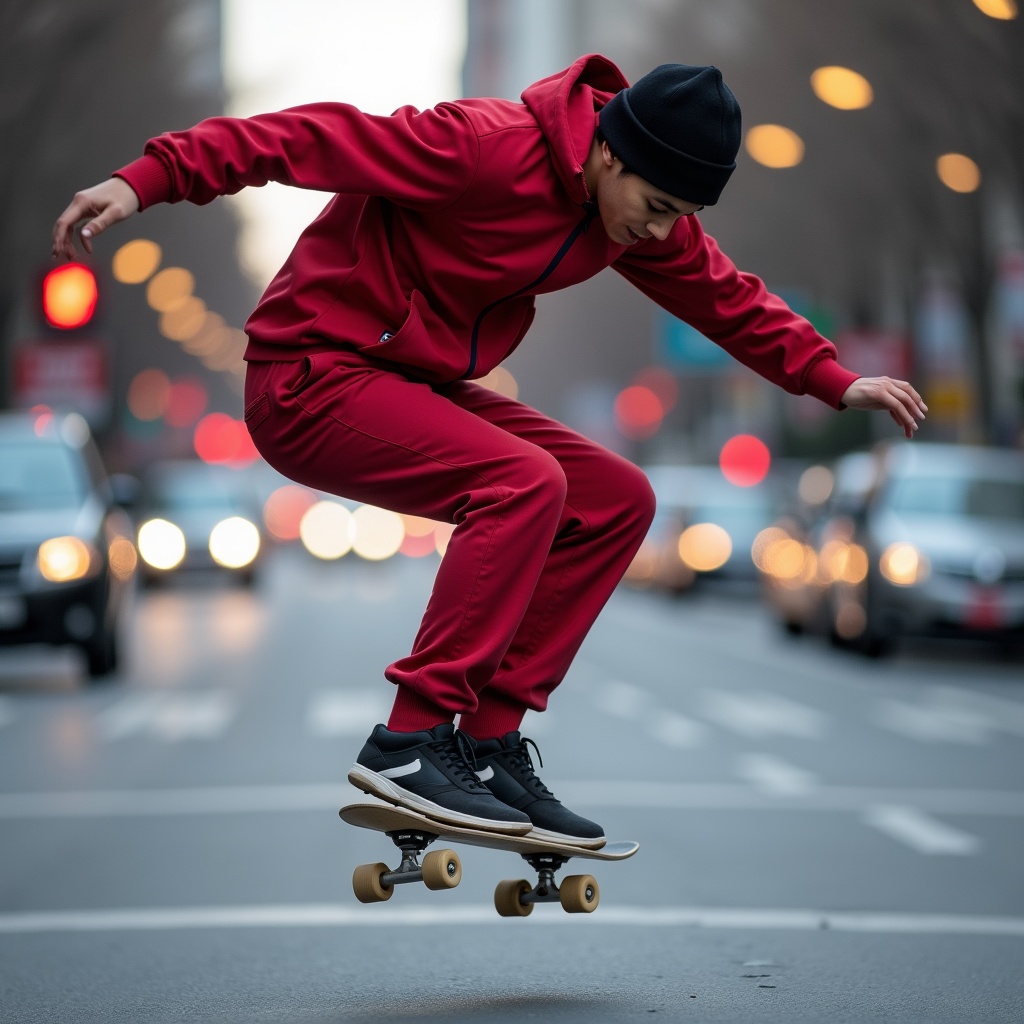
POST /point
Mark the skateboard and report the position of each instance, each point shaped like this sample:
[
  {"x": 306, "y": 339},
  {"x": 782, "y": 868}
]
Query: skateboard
[{"x": 412, "y": 833}]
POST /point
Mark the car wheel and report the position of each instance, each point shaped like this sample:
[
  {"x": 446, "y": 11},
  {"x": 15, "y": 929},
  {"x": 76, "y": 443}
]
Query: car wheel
[{"x": 102, "y": 654}]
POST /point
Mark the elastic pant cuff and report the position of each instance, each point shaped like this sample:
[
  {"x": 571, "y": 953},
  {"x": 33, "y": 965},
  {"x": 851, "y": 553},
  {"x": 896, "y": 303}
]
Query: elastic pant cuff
[
  {"x": 413, "y": 713},
  {"x": 495, "y": 715}
]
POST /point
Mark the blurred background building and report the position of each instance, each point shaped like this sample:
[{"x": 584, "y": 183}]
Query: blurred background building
[{"x": 882, "y": 198}]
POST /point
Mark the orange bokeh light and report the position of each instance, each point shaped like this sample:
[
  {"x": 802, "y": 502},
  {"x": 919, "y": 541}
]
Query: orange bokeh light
[
  {"x": 745, "y": 460},
  {"x": 69, "y": 296}
]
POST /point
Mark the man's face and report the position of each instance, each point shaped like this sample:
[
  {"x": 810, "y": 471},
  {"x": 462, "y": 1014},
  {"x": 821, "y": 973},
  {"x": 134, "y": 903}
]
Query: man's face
[{"x": 632, "y": 209}]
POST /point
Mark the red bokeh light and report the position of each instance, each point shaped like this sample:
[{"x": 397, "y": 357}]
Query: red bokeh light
[
  {"x": 186, "y": 402},
  {"x": 745, "y": 460},
  {"x": 219, "y": 438},
  {"x": 69, "y": 296},
  {"x": 418, "y": 546},
  {"x": 662, "y": 382},
  {"x": 638, "y": 412}
]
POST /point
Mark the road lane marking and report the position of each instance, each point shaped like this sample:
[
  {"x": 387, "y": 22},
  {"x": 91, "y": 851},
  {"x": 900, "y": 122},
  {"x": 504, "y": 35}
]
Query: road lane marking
[
  {"x": 348, "y": 712},
  {"x": 1005, "y": 715},
  {"x": 773, "y": 776},
  {"x": 622, "y": 700},
  {"x": 934, "y": 722},
  {"x": 676, "y": 730},
  {"x": 654, "y": 795},
  {"x": 332, "y": 915},
  {"x": 756, "y": 714},
  {"x": 171, "y": 717},
  {"x": 920, "y": 832}
]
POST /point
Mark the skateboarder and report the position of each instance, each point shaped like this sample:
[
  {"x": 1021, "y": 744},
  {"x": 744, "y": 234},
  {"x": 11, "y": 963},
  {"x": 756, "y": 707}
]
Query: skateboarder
[{"x": 419, "y": 276}]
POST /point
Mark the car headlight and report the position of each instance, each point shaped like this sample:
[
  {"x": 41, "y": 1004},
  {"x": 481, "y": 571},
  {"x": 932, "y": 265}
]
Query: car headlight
[
  {"x": 161, "y": 544},
  {"x": 63, "y": 559},
  {"x": 234, "y": 542},
  {"x": 705, "y": 547},
  {"x": 903, "y": 565}
]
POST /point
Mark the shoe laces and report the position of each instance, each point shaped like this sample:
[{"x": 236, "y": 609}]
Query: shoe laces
[
  {"x": 519, "y": 758},
  {"x": 458, "y": 757}
]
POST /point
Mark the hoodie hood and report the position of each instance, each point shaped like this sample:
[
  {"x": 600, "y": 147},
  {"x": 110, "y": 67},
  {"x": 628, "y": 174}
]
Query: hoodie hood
[{"x": 565, "y": 106}]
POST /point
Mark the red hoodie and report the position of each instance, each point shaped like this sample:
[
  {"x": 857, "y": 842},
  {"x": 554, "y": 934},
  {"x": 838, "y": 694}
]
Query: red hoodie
[{"x": 447, "y": 223}]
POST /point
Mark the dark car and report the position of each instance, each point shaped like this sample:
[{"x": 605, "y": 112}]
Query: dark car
[
  {"x": 932, "y": 545},
  {"x": 196, "y": 515},
  {"x": 66, "y": 551}
]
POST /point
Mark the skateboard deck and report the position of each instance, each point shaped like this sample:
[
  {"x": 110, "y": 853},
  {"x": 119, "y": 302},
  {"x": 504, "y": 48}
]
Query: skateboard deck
[{"x": 441, "y": 869}]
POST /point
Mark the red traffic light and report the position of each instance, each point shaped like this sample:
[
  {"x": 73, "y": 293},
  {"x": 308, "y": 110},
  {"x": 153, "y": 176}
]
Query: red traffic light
[
  {"x": 745, "y": 460},
  {"x": 69, "y": 296}
]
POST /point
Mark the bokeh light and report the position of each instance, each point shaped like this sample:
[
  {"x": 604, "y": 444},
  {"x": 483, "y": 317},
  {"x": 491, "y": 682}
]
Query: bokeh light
[
  {"x": 284, "y": 509},
  {"x": 419, "y": 537},
  {"x": 745, "y": 460},
  {"x": 161, "y": 544},
  {"x": 327, "y": 530},
  {"x": 169, "y": 288},
  {"x": 148, "y": 394},
  {"x": 184, "y": 320},
  {"x": 378, "y": 533},
  {"x": 136, "y": 261},
  {"x": 958, "y": 172},
  {"x": 501, "y": 381},
  {"x": 1002, "y": 10},
  {"x": 638, "y": 412},
  {"x": 705, "y": 547},
  {"x": 774, "y": 146},
  {"x": 842, "y": 88},
  {"x": 69, "y": 296},
  {"x": 663, "y": 383},
  {"x": 219, "y": 438},
  {"x": 186, "y": 402},
  {"x": 234, "y": 543},
  {"x": 815, "y": 485}
]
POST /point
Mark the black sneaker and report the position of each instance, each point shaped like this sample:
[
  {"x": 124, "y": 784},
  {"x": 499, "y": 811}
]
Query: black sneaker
[
  {"x": 504, "y": 766},
  {"x": 432, "y": 772}
]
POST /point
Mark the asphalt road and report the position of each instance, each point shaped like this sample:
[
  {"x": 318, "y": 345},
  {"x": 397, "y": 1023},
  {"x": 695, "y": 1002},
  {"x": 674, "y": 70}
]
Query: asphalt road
[{"x": 822, "y": 837}]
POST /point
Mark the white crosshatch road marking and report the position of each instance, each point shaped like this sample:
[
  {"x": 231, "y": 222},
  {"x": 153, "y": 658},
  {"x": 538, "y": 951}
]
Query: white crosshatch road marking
[
  {"x": 935, "y": 722},
  {"x": 348, "y": 712},
  {"x": 171, "y": 717},
  {"x": 759, "y": 713},
  {"x": 676, "y": 730},
  {"x": 773, "y": 776},
  {"x": 920, "y": 832},
  {"x": 332, "y": 915}
]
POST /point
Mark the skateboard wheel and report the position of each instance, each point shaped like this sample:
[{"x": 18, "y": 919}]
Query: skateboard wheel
[
  {"x": 367, "y": 884},
  {"x": 507, "y": 900},
  {"x": 579, "y": 894},
  {"x": 442, "y": 869}
]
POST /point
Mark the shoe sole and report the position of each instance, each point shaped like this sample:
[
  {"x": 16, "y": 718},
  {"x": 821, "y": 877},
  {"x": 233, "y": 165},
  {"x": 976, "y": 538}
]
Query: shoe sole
[
  {"x": 564, "y": 840},
  {"x": 376, "y": 785}
]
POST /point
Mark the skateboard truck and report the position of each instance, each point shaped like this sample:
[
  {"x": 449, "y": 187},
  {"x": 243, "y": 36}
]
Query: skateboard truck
[
  {"x": 578, "y": 894},
  {"x": 441, "y": 869}
]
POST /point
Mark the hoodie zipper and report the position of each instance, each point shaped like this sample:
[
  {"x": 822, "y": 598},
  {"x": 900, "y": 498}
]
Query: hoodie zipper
[{"x": 591, "y": 212}]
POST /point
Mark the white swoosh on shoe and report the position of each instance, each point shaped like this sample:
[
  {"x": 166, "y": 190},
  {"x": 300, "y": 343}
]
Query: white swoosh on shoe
[
  {"x": 487, "y": 773},
  {"x": 402, "y": 769}
]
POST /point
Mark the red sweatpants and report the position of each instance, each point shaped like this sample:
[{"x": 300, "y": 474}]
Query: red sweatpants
[{"x": 546, "y": 522}]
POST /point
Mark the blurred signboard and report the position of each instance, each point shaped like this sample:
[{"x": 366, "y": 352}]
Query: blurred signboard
[
  {"x": 71, "y": 375},
  {"x": 875, "y": 352},
  {"x": 681, "y": 347}
]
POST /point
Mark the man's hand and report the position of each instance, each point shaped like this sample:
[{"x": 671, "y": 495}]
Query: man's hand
[
  {"x": 897, "y": 397},
  {"x": 102, "y": 205}
]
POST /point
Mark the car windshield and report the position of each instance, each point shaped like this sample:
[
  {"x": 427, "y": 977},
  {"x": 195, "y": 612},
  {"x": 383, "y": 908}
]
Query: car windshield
[
  {"x": 188, "y": 492},
  {"x": 39, "y": 475},
  {"x": 973, "y": 497}
]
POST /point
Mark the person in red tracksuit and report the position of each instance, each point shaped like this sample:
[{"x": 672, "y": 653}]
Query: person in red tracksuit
[{"x": 419, "y": 276}]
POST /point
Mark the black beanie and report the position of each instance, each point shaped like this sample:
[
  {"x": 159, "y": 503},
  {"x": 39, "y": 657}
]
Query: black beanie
[{"x": 678, "y": 127}]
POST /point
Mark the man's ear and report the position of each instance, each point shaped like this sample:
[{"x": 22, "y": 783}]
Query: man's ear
[{"x": 607, "y": 156}]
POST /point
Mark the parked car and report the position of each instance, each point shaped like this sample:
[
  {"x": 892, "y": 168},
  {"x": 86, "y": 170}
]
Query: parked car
[
  {"x": 704, "y": 528},
  {"x": 66, "y": 551},
  {"x": 196, "y": 515},
  {"x": 933, "y": 545}
]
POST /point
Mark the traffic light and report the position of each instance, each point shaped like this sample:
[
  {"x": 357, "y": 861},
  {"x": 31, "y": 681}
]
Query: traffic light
[{"x": 69, "y": 296}]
